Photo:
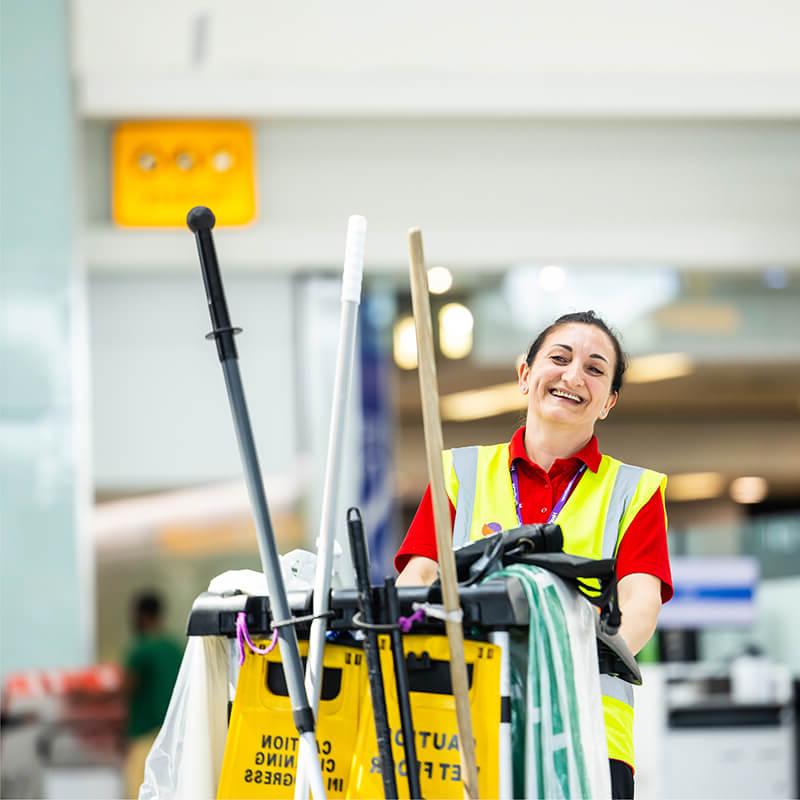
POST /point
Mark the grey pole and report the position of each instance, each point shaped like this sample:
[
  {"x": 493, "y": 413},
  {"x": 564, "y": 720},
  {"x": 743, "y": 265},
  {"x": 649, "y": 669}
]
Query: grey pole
[{"x": 200, "y": 221}]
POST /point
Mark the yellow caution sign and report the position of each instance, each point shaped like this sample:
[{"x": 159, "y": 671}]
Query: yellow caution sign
[
  {"x": 435, "y": 726},
  {"x": 161, "y": 169},
  {"x": 262, "y": 747}
]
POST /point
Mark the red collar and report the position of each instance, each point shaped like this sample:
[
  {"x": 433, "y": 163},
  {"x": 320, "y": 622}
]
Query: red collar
[{"x": 589, "y": 454}]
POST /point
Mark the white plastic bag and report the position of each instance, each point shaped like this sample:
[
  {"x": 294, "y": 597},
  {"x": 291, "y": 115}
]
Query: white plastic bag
[
  {"x": 298, "y": 568},
  {"x": 186, "y": 758}
]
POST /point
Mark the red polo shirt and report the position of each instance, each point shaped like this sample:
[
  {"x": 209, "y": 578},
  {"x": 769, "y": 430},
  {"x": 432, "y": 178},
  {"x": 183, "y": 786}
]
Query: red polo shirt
[{"x": 643, "y": 548}]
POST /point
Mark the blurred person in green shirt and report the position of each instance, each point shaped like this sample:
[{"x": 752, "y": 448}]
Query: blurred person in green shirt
[{"x": 151, "y": 667}]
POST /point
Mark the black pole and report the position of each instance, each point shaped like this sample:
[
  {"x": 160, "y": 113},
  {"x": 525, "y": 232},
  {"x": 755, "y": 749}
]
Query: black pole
[
  {"x": 200, "y": 221},
  {"x": 403, "y": 691},
  {"x": 360, "y": 555}
]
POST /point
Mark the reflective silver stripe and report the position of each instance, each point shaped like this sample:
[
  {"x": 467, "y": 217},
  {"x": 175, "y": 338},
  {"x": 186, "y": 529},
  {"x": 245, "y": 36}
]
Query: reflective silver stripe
[
  {"x": 624, "y": 488},
  {"x": 465, "y": 464},
  {"x": 617, "y": 688}
]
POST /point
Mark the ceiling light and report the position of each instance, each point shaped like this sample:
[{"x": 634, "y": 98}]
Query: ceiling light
[
  {"x": 404, "y": 343},
  {"x": 455, "y": 330},
  {"x": 694, "y": 486},
  {"x": 552, "y": 278},
  {"x": 440, "y": 280},
  {"x": 749, "y": 489},
  {"x": 491, "y": 401},
  {"x": 660, "y": 367}
]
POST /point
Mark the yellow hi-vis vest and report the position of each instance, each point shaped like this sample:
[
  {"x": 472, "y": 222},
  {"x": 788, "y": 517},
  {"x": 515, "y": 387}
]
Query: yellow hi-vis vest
[{"x": 594, "y": 520}]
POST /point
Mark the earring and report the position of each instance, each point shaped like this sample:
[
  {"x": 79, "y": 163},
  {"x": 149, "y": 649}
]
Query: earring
[{"x": 524, "y": 388}]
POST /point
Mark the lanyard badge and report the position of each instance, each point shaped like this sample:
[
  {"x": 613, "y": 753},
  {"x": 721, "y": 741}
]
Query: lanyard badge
[{"x": 562, "y": 501}]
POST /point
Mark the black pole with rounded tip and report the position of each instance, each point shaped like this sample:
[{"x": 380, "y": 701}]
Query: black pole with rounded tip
[{"x": 201, "y": 221}]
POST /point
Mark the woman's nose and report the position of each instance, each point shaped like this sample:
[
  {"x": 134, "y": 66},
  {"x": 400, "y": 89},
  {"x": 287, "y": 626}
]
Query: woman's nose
[{"x": 573, "y": 374}]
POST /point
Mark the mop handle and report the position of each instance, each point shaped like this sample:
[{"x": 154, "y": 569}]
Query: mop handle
[
  {"x": 360, "y": 553},
  {"x": 432, "y": 425},
  {"x": 403, "y": 688},
  {"x": 351, "y": 297},
  {"x": 200, "y": 221},
  {"x": 353, "y": 270}
]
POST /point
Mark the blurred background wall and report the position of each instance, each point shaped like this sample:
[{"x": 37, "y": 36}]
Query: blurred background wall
[
  {"x": 45, "y": 469},
  {"x": 642, "y": 161}
]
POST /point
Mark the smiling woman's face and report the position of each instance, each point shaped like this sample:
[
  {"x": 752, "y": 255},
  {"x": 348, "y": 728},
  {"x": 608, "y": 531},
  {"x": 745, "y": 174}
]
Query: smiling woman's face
[{"x": 570, "y": 379}]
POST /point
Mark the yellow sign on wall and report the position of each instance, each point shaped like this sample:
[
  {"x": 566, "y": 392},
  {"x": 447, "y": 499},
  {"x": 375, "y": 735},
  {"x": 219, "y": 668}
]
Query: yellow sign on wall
[{"x": 161, "y": 169}]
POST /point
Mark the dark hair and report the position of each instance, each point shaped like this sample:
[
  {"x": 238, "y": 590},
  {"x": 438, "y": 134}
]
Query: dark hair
[
  {"x": 585, "y": 318},
  {"x": 149, "y": 605}
]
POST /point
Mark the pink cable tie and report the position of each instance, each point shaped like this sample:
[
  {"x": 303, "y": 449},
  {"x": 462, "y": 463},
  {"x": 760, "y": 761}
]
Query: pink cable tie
[
  {"x": 406, "y": 623},
  {"x": 243, "y": 635}
]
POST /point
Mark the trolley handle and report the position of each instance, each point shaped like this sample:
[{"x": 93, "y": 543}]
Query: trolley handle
[
  {"x": 200, "y": 221},
  {"x": 358, "y": 550}
]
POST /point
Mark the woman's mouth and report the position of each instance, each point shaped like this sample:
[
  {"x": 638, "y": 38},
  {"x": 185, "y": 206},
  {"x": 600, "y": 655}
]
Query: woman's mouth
[{"x": 562, "y": 393}]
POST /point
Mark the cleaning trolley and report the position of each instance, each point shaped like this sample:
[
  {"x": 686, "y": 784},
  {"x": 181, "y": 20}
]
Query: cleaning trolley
[{"x": 486, "y": 683}]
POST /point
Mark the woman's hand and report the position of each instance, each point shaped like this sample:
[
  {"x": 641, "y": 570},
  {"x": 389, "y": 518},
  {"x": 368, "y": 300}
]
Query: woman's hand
[
  {"x": 639, "y": 597},
  {"x": 420, "y": 571}
]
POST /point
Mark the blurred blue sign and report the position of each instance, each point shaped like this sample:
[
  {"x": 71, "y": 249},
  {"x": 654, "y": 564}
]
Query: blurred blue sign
[
  {"x": 377, "y": 426},
  {"x": 711, "y": 591}
]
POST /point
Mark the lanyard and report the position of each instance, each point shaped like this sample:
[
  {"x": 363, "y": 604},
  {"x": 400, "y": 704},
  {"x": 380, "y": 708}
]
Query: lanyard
[{"x": 561, "y": 501}]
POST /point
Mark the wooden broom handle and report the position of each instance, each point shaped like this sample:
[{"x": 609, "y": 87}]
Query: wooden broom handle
[{"x": 434, "y": 445}]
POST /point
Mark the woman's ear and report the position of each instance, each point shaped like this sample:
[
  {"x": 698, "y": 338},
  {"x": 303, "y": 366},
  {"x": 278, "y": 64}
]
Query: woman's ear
[
  {"x": 523, "y": 373},
  {"x": 609, "y": 404}
]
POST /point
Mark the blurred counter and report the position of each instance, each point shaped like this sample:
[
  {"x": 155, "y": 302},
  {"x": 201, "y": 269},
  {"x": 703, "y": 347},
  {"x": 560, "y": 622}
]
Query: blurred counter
[{"x": 698, "y": 736}]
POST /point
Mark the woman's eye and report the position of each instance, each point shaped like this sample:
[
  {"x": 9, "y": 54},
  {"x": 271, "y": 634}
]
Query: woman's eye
[
  {"x": 595, "y": 370},
  {"x": 559, "y": 359}
]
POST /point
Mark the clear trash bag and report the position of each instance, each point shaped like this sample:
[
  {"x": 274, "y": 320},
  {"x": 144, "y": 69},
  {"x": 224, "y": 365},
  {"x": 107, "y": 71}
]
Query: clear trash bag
[{"x": 186, "y": 758}]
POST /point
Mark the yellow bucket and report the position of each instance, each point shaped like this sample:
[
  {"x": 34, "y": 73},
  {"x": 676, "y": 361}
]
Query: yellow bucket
[
  {"x": 262, "y": 747},
  {"x": 433, "y": 712}
]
